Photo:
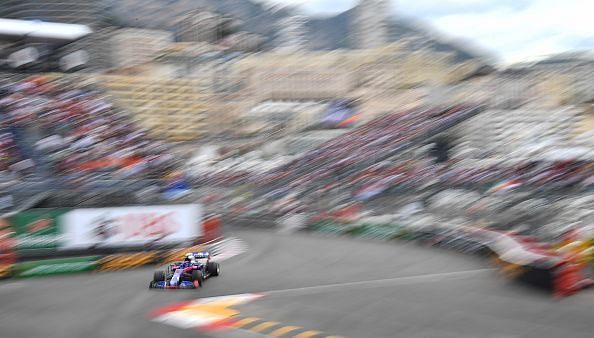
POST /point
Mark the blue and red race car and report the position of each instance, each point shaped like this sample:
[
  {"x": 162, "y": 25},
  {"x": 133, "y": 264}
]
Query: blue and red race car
[{"x": 187, "y": 274}]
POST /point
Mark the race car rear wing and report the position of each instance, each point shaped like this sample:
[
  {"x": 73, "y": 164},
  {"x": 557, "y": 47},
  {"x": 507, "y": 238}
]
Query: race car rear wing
[{"x": 201, "y": 254}]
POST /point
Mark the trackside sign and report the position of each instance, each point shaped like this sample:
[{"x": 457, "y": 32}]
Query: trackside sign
[
  {"x": 37, "y": 229},
  {"x": 130, "y": 226},
  {"x": 56, "y": 266}
]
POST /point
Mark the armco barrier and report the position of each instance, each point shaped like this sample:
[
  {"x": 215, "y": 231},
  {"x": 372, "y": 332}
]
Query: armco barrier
[
  {"x": 382, "y": 232},
  {"x": 387, "y": 231},
  {"x": 47, "y": 267},
  {"x": 377, "y": 231},
  {"x": 55, "y": 266},
  {"x": 128, "y": 261},
  {"x": 251, "y": 222},
  {"x": 329, "y": 227}
]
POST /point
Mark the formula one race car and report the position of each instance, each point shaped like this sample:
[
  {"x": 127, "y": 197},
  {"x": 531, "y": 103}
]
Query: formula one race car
[{"x": 187, "y": 274}]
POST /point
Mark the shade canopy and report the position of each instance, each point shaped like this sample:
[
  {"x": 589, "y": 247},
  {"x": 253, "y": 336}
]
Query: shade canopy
[{"x": 41, "y": 31}]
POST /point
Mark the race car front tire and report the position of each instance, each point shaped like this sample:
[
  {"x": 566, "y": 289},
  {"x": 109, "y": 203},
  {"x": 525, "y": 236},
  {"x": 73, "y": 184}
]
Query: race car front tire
[
  {"x": 159, "y": 276},
  {"x": 197, "y": 277},
  {"x": 213, "y": 269}
]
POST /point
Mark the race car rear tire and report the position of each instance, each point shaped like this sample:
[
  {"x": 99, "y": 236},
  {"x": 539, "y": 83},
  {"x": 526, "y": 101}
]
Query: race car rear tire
[
  {"x": 213, "y": 268},
  {"x": 197, "y": 277},
  {"x": 159, "y": 276},
  {"x": 151, "y": 285}
]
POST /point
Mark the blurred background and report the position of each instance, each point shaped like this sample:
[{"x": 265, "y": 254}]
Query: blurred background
[
  {"x": 131, "y": 130},
  {"x": 272, "y": 108}
]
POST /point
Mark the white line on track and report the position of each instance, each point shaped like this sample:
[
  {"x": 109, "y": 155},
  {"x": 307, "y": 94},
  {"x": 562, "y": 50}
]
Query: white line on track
[
  {"x": 436, "y": 277},
  {"x": 11, "y": 286}
]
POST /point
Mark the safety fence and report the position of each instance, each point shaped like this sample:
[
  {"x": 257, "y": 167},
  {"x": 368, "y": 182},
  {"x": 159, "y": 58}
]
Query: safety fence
[{"x": 519, "y": 257}]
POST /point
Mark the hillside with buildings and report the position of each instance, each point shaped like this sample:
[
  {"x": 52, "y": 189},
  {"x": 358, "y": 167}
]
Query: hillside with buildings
[{"x": 323, "y": 33}]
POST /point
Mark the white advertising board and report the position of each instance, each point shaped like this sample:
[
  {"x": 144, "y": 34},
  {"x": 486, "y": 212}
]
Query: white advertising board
[{"x": 131, "y": 226}]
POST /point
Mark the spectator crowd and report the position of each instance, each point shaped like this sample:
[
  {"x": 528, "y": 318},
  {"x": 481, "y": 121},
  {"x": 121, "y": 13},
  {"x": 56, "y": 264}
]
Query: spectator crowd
[
  {"x": 66, "y": 130},
  {"x": 71, "y": 131}
]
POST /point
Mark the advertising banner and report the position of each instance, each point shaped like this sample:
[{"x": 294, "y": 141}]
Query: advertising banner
[
  {"x": 177, "y": 189},
  {"x": 130, "y": 226},
  {"x": 36, "y": 229},
  {"x": 56, "y": 266}
]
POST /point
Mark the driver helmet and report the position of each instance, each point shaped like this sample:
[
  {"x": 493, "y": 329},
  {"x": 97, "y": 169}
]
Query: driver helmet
[{"x": 189, "y": 258}]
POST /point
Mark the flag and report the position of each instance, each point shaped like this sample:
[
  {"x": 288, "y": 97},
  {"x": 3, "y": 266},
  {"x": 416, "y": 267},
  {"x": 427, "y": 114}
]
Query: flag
[
  {"x": 370, "y": 191},
  {"x": 177, "y": 189},
  {"x": 505, "y": 186}
]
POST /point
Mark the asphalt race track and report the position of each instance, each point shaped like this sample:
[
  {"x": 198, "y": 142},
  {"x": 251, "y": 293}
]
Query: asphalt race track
[{"x": 326, "y": 286}]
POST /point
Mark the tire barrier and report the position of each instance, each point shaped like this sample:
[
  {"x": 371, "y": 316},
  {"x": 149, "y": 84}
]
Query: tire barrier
[
  {"x": 8, "y": 245},
  {"x": 6, "y": 271},
  {"x": 127, "y": 262},
  {"x": 517, "y": 257}
]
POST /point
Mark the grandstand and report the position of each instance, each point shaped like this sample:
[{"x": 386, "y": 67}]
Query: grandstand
[
  {"x": 64, "y": 144},
  {"x": 367, "y": 145},
  {"x": 521, "y": 132},
  {"x": 310, "y": 140},
  {"x": 67, "y": 134},
  {"x": 171, "y": 109}
]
